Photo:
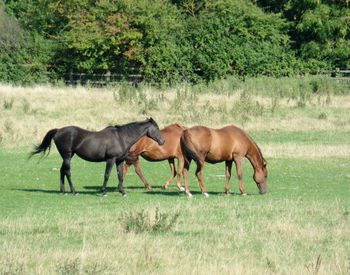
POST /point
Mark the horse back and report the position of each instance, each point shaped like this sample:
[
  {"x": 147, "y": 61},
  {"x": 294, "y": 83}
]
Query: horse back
[{"x": 215, "y": 145}]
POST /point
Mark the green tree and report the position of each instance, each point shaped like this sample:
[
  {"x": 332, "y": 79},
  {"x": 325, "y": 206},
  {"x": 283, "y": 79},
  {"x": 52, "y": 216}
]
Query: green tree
[{"x": 23, "y": 55}]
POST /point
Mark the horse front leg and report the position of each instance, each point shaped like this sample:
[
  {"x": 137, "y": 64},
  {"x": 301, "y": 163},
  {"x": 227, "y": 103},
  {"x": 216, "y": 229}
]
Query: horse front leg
[
  {"x": 120, "y": 177},
  {"x": 109, "y": 165}
]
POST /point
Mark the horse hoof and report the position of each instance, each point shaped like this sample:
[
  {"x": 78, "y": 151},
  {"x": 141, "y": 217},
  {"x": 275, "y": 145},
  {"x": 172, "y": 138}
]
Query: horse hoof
[
  {"x": 243, "y": 194},
  {"x": 189, "y": 194},
  {"x": 104, "y": 195},
  {"x": 206, "y": 194},
  {"x": 75, "y": 194},
  {"x": 181, "y": 189},
  {"x": 65, "y": 194},
  {"x": 164, "y": 187},
  {"x": 227, "y": 193}
]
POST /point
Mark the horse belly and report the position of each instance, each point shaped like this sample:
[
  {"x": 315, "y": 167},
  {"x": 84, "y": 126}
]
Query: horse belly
[
  {"x": 155, "y": 155},
  {"x": 92, "y": 150},
  {"x": 217, "y": 157}
]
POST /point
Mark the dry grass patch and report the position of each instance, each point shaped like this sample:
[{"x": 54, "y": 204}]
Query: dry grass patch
[{"x": 27, "y": 113}]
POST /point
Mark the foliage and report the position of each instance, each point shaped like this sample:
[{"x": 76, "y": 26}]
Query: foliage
[
  {"x": 319, "y": 29},
  {"x": 23, "y": 56},
  {"x": 168, "y": 41}
]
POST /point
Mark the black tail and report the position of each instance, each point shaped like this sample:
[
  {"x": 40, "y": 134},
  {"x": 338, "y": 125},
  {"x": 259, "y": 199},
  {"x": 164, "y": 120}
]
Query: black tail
[{"x": 45, "y": 144}]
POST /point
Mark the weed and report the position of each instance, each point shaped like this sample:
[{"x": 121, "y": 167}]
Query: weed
[
  {"x": 8, "y": 126},
  {"x": 144, "y": 221},
  {"x": 11, "y": 266},
  {"x": 8, "y": 103},
  {"x": 246, "y": 108},
  {"x": 322, "y": 115},
  {"x": 26, "y": 106},
  {"x": 314, "y": 268},
  {"x": 274, "y": 104},
  {"x": 68, "y": 266},
  {"x": 271, "y": 265}
]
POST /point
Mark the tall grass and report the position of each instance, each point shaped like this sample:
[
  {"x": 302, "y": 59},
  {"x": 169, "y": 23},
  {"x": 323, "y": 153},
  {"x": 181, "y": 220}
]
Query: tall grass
[{"x": 261, "y": 104}]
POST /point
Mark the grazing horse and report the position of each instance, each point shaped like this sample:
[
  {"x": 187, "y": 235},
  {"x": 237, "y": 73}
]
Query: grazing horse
[
  {"x": 228, "y": 144},
  {"x": 111, "y": 145},
  {"x": 151, "y": 151}
]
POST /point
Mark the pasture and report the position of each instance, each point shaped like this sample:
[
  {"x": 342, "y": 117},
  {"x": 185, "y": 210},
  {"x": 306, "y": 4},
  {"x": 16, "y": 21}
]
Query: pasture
[{"x": 301, "y": 226}]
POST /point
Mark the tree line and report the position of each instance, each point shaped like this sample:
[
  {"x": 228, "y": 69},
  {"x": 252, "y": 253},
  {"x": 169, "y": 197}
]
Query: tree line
[{"x": 168, "y": 41}]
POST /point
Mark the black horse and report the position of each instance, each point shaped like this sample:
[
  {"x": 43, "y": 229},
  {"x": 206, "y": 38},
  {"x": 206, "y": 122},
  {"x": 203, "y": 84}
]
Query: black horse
[{"x": 111, "y": 144}]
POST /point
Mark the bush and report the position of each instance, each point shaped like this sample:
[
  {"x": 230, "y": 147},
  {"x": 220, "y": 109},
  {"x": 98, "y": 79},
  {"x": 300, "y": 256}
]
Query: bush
[{"x": 146, "y": 221}]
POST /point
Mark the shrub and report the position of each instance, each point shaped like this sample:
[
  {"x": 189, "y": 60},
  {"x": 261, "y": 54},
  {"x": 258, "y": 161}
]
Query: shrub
[{"x": 149, "y": 221}]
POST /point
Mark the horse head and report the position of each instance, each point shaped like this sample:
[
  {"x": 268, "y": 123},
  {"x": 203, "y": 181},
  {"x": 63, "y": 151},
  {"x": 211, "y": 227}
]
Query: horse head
[
  {"x": 260, "y": 177},
  {"x": 154, "y": 133}
]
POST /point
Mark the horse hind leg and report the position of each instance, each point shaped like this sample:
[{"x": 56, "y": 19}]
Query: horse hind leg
[
  {"x": 62, "y": 175},
  {"x": 186, "y": 168},
  {"x": 173, "y": 173},
  {"x": 180, "y": 168},
  {"x": 140, "y": 174},
  {"x": 228, "y": 165},
  {"x": 199, "y": 175},
  {"x": 239, "y": 169},
  {"x": 65, "y": 171}
]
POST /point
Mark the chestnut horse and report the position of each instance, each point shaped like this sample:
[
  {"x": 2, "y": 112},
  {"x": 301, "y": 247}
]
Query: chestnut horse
[
  {"x": 228, "y": 144},
  {"x": 151, "y": 151}
]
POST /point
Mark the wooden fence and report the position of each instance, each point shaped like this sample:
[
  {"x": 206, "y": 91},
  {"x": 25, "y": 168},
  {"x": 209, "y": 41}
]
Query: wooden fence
[
  {"x": 339, "y": 74},
  {"x": 134, "y": 78},
  {"x": 100, "y": 79}
]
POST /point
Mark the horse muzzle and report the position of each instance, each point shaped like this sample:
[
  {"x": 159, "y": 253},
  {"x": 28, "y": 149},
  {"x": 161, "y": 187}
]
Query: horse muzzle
[{"x": 262, "y": 191}]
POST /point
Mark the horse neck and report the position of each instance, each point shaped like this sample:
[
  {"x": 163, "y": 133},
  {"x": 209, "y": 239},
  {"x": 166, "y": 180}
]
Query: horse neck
[
  {"x": 135, "y": 133},
  {"x": 255, "y": 157}
]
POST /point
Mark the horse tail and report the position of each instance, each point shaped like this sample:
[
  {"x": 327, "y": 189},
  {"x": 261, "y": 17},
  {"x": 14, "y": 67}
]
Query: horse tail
[
  {"x": 185, "y": 142},
  {"x": 45, "y": 144}
]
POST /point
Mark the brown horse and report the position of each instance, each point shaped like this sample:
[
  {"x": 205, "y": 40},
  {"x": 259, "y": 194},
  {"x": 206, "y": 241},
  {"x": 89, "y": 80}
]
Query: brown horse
[
  {"x": 151, "y": 151},
  {"x": 228, "y": 144}
]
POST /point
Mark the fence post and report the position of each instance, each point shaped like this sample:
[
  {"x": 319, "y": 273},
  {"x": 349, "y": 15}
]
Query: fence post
[
  {"x": 71, "y": 76},
  {"x": 108, "y": 76}
]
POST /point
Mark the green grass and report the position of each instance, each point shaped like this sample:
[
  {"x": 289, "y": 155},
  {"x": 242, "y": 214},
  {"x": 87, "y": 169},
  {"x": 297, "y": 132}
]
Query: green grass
[{"x": 306, "y": 213}]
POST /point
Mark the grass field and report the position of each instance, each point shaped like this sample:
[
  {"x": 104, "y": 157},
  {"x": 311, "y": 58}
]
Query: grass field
[{"x": 301, "y": 226}]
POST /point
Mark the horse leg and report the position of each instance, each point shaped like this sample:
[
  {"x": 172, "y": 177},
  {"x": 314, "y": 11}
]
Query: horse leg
[
  {"x": 62, "y": 175},
  {"x": 120, "y": 177},
  {"x": 109, "y": 165},
  {"x": 65, "y": 170},
  {"x": 180, "y": 168},
  {"x": 228, "y": 165},
  {"x": 239, "y": 169},
  {"x": 199, "y": 175},
  {"x": 173, "y": 173},
  {"x": 126, "y": 168},
  {"x": 141, "y": 176},
  {"x": 186, "y": 168}
]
